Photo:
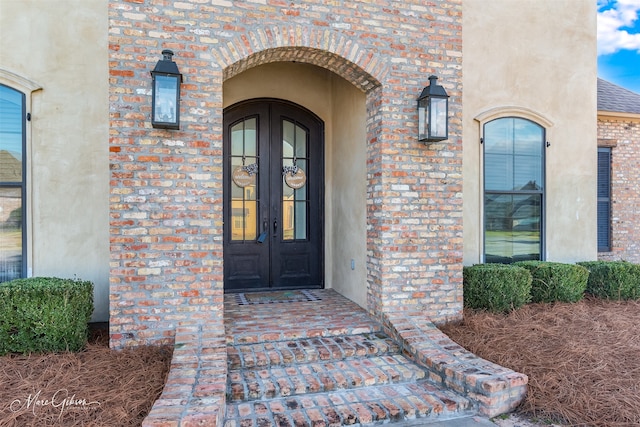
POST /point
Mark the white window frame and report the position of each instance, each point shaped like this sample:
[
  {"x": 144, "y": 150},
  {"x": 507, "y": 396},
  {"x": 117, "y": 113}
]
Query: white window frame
[
  {"x": 501, "y": 112},
  {"x": 27, "y": 87}
]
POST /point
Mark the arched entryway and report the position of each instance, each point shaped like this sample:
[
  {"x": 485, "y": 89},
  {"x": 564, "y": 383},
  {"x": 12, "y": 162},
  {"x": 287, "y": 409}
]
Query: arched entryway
[
  {"x": 273, "y": 196},
  {"x": 341, "y": 107}
]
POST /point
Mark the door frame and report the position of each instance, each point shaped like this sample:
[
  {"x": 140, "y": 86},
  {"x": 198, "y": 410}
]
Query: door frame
[{"x": 257, "y": 104}]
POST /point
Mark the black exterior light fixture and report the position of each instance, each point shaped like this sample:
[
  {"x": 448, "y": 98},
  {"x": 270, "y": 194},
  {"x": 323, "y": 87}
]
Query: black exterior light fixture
[
  {"x": 433, "y": 113},
  {"x": 165, "y": 93}
]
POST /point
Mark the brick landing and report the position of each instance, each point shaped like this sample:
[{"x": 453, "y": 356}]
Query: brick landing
[
  {"x": 332, "y": 315},
  {"x": 326, "y": 363}
]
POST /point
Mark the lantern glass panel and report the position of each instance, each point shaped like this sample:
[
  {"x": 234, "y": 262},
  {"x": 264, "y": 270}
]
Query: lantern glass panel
[
  {"x": 438, "y": 118},
  {"x": 166, "y": 96},
  {"x": 422, "y": 119}
]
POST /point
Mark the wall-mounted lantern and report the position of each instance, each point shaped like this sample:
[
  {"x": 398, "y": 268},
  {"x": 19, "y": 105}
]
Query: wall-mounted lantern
[
  {"x": 165, "y": 93},
  {"x": 433, "y": 112}
]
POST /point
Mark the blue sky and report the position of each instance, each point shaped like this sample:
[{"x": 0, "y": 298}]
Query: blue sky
[{"x": 619, "y": 42}]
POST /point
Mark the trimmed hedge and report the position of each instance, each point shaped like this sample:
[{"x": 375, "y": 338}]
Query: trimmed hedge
[
  {"x": 555, "y": 281},
  {"x": 499, "y": 288},
  {"x": 615, "y": 280},
  {"x": 44, "y": 314}
]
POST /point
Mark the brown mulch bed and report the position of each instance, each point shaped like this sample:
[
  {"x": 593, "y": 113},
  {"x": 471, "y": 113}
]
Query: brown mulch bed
[
  {"x": 582, "y": 359},
  {"x": 94, "y": 387}
]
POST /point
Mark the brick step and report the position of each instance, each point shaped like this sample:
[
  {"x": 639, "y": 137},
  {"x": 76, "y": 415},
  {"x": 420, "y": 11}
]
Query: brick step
[
  {"x": 285, "y": 353},
  {"x": 363, "y": 406},
  {"x": 275, "y": 382}
]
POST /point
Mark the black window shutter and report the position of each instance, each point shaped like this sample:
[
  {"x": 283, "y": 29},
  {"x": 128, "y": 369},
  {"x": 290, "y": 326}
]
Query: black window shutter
[{"x": 604, "y": 199}]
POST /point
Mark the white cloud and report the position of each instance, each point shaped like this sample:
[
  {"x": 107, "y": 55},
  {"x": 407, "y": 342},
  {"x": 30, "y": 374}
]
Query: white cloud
[{"x": 612, "y": 35}]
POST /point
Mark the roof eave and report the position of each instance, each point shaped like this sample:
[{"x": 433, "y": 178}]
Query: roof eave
[{"x": 619, "y": 115}]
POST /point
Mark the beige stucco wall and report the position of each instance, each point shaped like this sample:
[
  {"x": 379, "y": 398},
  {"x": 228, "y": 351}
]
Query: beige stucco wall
[
  {"x": 342, "y": 108},
  {"x": 536, "y": 58},
  {"x": 348, "y": 209},
  {"x": 62, "y": 46},
  {"x": 515, "y": 53}
]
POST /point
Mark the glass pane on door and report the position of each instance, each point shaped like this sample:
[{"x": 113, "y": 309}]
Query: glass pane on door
[
  {"x": 244, "y": 171},
  {"x": 294, "y": 192}
]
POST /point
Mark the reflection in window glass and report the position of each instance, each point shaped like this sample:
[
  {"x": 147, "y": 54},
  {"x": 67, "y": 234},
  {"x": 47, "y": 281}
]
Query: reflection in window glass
[
  {"x": 514, "y": 189},
  {"x": 244, "y": 204},
  {"x": 294, "y": 202},
  {"x": 11, "y": 253},
  {"x": 512, "y": 227},
  {"x": 12, "y": 221},
  {"x": 11, "y": 134},
  {"x": 513, "y": 155}
]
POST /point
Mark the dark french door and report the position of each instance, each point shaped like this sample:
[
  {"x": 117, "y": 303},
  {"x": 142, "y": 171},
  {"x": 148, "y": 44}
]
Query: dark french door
[{"x": 273, "y": 197}]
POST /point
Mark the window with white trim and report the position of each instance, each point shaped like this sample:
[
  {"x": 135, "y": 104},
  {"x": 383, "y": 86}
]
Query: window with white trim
[{"x": 12, "y": 184}]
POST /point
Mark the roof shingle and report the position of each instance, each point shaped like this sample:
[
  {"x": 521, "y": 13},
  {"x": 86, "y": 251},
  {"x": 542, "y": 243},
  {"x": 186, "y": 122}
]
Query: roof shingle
[{"x": 617, "y": 99}]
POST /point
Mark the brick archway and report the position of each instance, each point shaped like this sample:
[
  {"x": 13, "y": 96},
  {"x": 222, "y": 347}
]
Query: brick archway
[
  {"x": 360, "y": 79},
  {"x": 339, "y": 65},
  {"x": 165, "y": 207}
]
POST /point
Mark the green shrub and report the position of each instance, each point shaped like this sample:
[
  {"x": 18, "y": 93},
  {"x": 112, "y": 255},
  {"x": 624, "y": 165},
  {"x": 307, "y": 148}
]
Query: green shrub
[
  {"x": 555, "y": 281},
  {"x": 43, "y": 314},
  {"x": 615, "y": 280},
  {"x": 499, "y": 288}
]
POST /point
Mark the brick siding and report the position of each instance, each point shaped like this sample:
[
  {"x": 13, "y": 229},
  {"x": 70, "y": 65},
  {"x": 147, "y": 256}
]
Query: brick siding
[
  {"x": 166, "y": 186},
  {"x": 623, "y": 136}
]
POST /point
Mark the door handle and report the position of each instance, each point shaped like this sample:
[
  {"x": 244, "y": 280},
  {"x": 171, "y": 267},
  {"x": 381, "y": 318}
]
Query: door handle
[
  {"x": 275, "y": 226},
  {"x": 265, "y": 231}
]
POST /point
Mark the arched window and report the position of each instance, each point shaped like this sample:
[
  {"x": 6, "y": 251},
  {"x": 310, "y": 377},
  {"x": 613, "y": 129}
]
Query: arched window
[
  {"x": 12, "y": 184},
  {"x": 513, "y": 190}
]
